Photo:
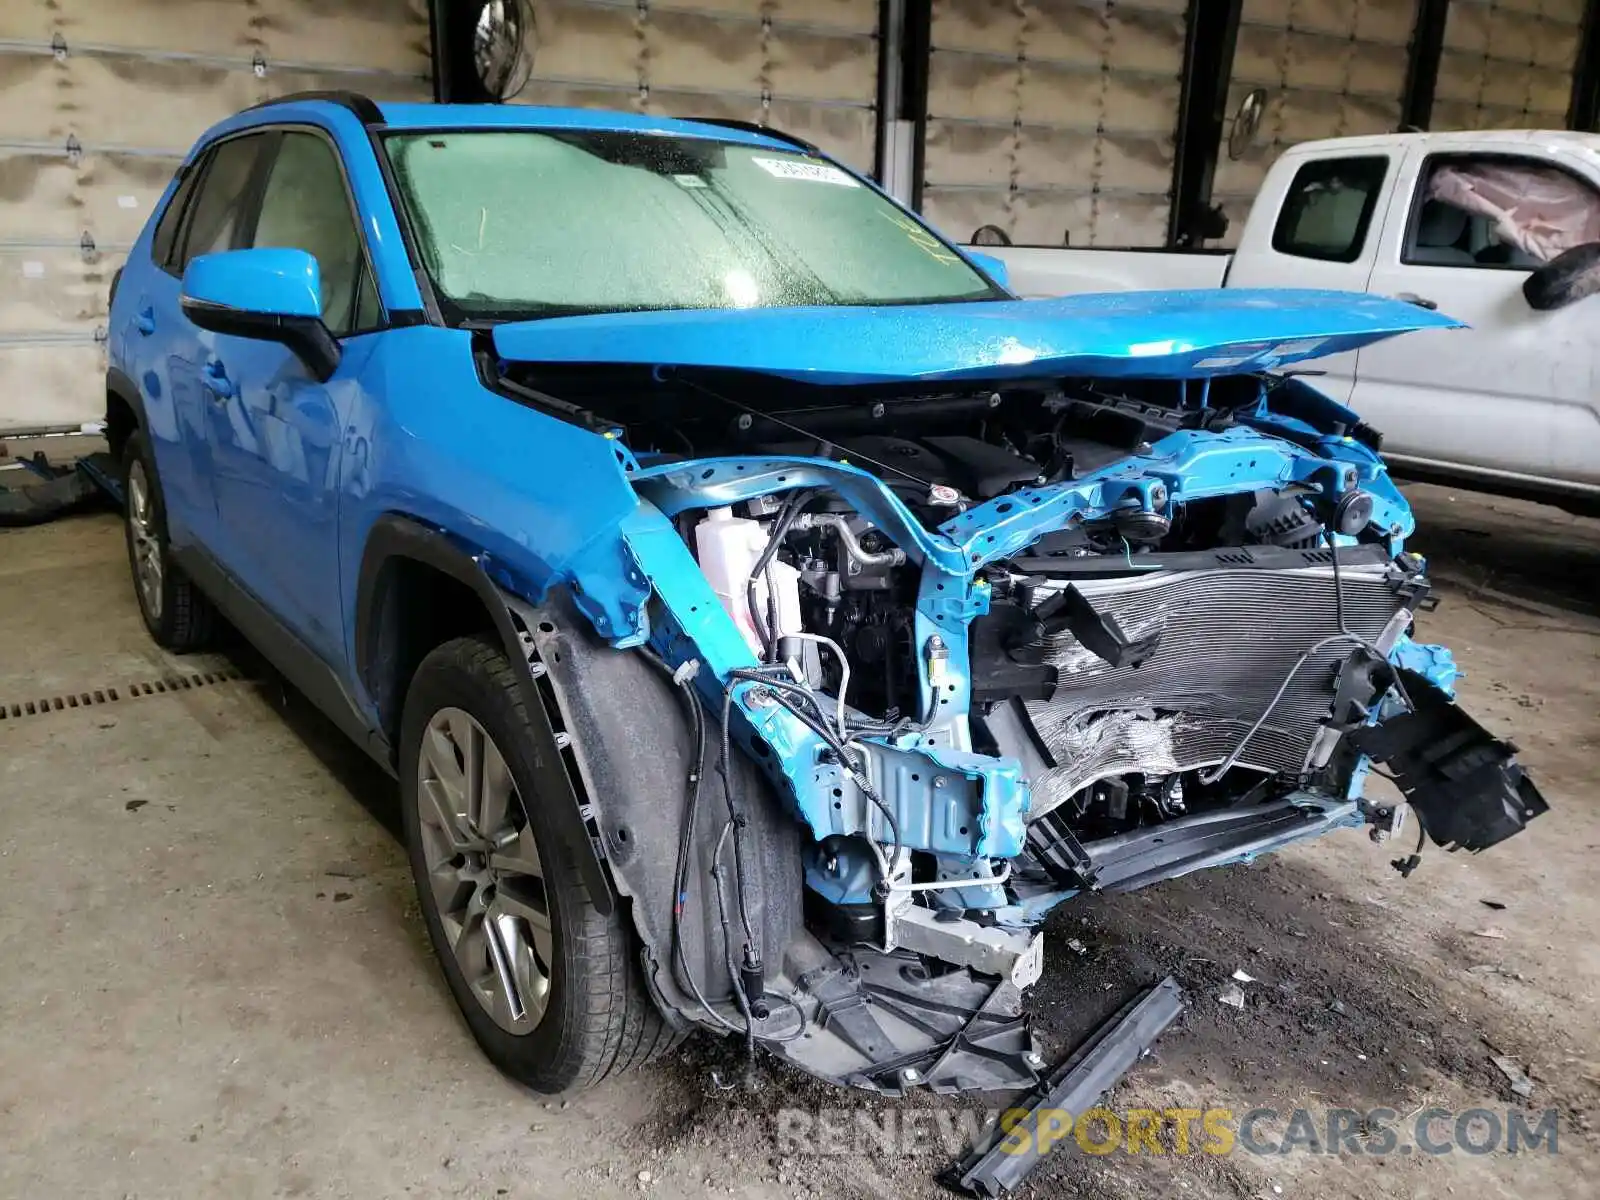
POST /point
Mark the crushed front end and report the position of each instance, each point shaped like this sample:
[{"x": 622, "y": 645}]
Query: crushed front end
[{"x": 949, "y": 653}]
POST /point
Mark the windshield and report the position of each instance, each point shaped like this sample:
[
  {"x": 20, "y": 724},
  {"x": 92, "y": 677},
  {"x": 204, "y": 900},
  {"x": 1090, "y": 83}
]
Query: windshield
[{"x": 513, "y": 224}]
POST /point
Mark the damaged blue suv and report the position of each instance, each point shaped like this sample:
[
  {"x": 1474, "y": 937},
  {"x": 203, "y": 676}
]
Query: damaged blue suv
[{"x": 767, "y": 616}]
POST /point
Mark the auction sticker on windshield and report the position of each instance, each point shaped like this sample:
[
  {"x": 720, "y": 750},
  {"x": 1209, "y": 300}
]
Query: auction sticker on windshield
[{"x": 785, "y": 168}]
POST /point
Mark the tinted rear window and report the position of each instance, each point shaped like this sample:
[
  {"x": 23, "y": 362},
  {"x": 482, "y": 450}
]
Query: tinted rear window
[
  {"x": 165, "y": 240},
  {"x": 1329, "y": 208}
]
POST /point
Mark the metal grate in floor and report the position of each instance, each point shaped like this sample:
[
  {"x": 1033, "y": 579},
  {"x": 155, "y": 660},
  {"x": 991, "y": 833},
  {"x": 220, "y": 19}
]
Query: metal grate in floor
[{"x": 163, "y": 685}]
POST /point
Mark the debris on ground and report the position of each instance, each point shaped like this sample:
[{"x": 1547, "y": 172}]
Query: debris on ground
[
  {"x": 1240, "y": 976},
  {"x": 1232, "y": 996},
  {"x": 995, "y": 1163},
  {"x": 1520, "y": 1083},
  {"x": 1494, "y": 904},
  {"x": 1491, "y": 931},
  {"x": 1337, "y": 1007}
]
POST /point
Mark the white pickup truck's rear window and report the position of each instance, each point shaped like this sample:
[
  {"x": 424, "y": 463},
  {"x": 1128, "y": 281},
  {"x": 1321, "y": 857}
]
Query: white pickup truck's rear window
[{"x": 1328, "y": 208}]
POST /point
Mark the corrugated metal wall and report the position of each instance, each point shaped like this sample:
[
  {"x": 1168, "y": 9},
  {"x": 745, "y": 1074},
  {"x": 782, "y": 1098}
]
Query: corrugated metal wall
[
  {"x": 809, "y": 67},
  {"x": 1053, "y": 119},
  {"x": 1507, "y": 64},
  {"x": 99, "y": 99},
  {"x": 1331, "y": 68}
]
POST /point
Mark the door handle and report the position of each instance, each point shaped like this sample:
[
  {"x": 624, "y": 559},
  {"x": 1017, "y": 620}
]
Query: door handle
[
  {"x": 214, "y": 378},
  {"x": 145, "y": 321},
  {"x": 1419, "y": 301}
]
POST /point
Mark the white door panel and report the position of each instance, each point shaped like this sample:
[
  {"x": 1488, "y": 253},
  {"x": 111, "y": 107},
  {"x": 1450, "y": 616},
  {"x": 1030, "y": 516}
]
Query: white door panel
[
  {"x": 1515, "y": 395},
  {"x": 1321, "y": 221}
]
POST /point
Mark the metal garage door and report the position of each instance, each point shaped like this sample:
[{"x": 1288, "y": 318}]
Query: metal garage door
[
  {"x": 98, "y": 101},
  {"x": 1054, "y": 119},
  {"x": 809, "y": 67},
  {"x": 1507, "y": 64},
  {"x": 1331, "y": 68}
]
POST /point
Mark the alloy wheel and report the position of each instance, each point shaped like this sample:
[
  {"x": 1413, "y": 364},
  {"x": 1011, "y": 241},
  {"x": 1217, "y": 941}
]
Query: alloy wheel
[
  {"x": 484, "y": 871},
  {"x": 146, "y": 540}
]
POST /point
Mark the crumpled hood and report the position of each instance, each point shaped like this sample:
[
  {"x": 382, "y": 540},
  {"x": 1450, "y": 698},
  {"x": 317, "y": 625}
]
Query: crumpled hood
[{"x": 1150, "y": 335}]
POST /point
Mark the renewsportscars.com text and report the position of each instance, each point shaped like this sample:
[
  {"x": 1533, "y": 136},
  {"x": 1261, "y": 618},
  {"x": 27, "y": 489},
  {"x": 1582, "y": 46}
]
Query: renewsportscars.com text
[{"x": 1215, "y": 1131}]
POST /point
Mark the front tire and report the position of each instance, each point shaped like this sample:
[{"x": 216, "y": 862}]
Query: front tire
[
  {"x": 179, "y": 617},
  {"x": 549, "y": 986}
]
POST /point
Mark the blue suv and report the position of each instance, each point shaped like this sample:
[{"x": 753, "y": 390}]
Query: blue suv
[{"x": 767, "y": 616}]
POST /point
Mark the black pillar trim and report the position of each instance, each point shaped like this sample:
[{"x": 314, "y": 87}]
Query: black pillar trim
[
  {"x": 1213, "y": 32},
  {"x": 1422, "y": 65},
  {"x": 1584, "y": 110}
]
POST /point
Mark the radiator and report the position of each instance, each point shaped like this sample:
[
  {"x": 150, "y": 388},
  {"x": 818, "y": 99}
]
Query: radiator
[{"x": 1228, "y": 639}]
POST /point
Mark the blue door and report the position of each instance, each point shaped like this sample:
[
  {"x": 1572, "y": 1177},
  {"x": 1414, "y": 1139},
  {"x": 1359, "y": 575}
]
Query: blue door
[
  {"x": 276, "y": 432},
  {"x": 163, "y": 350}
]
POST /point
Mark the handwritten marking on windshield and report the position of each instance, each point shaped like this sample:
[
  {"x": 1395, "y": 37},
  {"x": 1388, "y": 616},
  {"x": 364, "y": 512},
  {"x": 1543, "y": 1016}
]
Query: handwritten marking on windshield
[{"x": 922, "y": 239}]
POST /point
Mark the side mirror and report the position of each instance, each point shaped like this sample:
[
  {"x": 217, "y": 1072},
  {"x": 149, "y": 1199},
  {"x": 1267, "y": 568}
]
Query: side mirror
[
  {"x": 994, "y": 268},
  {"x": 1565, "y": 279},
  {"x": 270, "y": 294}
]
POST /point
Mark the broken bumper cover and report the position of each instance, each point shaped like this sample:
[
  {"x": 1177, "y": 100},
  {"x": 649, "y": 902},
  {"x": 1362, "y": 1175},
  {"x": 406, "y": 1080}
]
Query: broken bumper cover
[{"x": 1463, "y": 783}]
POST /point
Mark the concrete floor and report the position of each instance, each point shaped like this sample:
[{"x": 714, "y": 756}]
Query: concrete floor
[{"x": 215, "y": 981}]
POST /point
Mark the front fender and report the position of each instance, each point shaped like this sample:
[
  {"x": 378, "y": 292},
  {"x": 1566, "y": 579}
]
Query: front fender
[{"x": 400, "y": 537}]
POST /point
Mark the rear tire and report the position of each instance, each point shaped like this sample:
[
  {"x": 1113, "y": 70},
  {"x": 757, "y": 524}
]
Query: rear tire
[
  {"x": 177, "y": 614},
  {"x": 550, "y": 987}
]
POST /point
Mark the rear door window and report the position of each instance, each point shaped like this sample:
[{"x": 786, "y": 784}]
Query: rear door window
[
  {"x": 1329, "y": 207},
  {"x": 163, "y": 246}
]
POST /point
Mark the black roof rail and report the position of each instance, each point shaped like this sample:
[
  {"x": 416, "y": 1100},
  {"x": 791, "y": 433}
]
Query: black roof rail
[
  {"x": 754, "y": 127},
  {"x": 364, "y": 108}
]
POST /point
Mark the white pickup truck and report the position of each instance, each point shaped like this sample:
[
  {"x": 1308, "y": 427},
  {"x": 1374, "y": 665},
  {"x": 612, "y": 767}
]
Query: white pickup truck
[{"x": 1498, "y": 229}]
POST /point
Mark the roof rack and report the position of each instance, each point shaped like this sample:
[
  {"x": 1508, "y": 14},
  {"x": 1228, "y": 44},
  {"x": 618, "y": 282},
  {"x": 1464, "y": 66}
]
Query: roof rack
[
  {"x": 754, "y": 127},
  {"x": 363, "y": 107}
]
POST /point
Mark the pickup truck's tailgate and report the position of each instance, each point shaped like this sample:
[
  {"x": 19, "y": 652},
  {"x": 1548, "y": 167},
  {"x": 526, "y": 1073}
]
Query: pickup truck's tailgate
[
  {"x": 1038, "y": 271},
  {"x": 1150, "y": 335}
]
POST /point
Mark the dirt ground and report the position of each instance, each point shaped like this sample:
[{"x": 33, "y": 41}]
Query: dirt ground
[{"x": 215, "y": 980}]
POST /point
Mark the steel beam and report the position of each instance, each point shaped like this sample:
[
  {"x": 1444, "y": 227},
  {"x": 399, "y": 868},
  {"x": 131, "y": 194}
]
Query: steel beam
[
  {"x": 1584, "y": 110},
  {"x": 437, "y": 66},
  {"x": 891, "y": 29},
  {"x": 1213, "y": 31},
  {"x": 450, "y": 26},
  {"x": 1422, "y": 64},
  {"x": 917, "y": 49}
]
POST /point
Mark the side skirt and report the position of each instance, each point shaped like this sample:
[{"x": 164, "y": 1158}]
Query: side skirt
[{"x": 299, "y": 664}]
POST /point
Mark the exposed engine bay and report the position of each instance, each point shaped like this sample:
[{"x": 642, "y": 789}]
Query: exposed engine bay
[{"x": 992, "y": 644}]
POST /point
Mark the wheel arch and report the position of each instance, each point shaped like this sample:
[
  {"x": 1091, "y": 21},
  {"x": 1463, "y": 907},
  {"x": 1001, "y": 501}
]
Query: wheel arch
[
  {"x": 416, "y": 589},
  {"x": 124, "y": 411}
]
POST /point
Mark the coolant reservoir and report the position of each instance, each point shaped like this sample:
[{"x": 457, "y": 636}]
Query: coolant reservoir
[{"x": 728, "y": 548}]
